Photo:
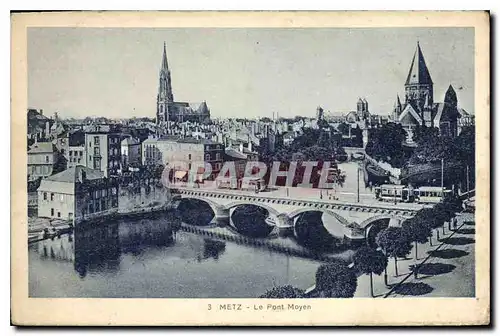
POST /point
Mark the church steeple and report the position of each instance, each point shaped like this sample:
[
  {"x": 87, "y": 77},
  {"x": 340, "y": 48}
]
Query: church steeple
[
  {"x": 418, "y": 84},
  {"x": 398, "y": 108},
  {"x": 164, "y": 63},
  {"x": 165, "y": 95},
  {"x": 419, "y": 73}
]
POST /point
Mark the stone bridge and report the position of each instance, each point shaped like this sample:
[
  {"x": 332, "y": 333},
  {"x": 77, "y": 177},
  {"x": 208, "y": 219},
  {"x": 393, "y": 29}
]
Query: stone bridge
[{"x": 356, "y": 218}]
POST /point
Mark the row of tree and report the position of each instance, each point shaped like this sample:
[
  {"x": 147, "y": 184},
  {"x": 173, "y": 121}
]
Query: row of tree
[{"x": 338, "y": 280}]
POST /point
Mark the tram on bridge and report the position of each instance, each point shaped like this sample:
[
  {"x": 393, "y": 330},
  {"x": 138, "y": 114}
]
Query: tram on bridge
[{"x": 408, "y": 194}]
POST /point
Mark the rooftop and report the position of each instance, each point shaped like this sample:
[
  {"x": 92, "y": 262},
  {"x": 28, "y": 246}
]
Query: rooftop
[
  {"x": 72, "y": 175},
  {"x": 41, "y": 147}
]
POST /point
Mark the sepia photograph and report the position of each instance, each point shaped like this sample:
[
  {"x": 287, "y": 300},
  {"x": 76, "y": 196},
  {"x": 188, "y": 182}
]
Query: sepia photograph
[{"x": 303, "y": 164}]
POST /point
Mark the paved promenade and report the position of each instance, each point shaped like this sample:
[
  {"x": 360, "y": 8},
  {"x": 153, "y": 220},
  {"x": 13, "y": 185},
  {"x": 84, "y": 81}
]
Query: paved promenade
[{"x": 448, "y": 272}]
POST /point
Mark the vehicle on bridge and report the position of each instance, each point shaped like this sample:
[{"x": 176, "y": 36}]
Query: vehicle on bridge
[
  {"x": 402, "y": 193},
  {"x": 431, "y": 195},
  {"x": 253, "y": 184},
  {"x": 223, "y": 182},
  {"x": 394, "y": 193}
]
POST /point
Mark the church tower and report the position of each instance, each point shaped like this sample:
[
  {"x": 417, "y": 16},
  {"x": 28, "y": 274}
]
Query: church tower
[
  {"x": 419, "y": 86},
  {"x": 165, "y": 96}
]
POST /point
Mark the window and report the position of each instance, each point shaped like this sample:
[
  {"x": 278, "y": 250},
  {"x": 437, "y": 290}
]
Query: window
[
  {"x": 70, "y": 153},
  {"x": 189, "y": 167},
  {"x": 97, "y": 151},
  {"x": 113, "y": 191},
  {"x": 90, "y": 158},
  {"x": 70, "y": 215},
  {"x": 44, "y": 196},
  {"x": 217, "y": 166},
  {"x": 97, "y": 164},
  {"x": 51, "y": 196},
  {"x": 52, "y": 212},
  {"x": 103, "y": 193},
  {"x": 207, "y": 157},
  {"x": 217, "y": 156},
  {"x": 58, "y": 214},
  {"x": 46, "y": 158},
  {"x": 79, "y": 160},
  {"x": 96, "y": 140},
  {"x": 189, "y": 156},
  {"x": 81, "y": 153}
]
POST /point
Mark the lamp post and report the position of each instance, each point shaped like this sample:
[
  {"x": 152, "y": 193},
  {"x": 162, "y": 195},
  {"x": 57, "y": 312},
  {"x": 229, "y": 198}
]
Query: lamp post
[
  {"x": 442, "y": 178},
  {"x": 467, "y": 182},
  {"x": 357, "y": 172}
]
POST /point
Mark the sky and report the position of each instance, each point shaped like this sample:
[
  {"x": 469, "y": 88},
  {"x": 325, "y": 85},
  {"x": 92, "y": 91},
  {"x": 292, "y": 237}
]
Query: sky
[{"x": 113, "y": 72}]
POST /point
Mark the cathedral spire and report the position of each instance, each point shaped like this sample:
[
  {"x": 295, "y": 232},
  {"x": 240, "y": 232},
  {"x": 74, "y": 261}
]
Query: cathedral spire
[
  {"x": 164, "y": 63},
  {"x": 419, "y": 73}
]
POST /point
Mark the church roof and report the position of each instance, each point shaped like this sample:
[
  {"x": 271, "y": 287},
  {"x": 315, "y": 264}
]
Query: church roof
[
  {"x": 410, "y": 116},
  {"x": 419, "y": 74}
]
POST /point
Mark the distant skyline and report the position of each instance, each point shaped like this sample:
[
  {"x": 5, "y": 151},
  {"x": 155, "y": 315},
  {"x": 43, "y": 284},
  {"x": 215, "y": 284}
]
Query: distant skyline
[{"x": 113, "y": 72}]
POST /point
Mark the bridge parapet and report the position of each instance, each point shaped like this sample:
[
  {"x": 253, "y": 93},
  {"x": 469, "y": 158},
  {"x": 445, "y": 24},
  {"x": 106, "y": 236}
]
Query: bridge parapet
[{"x": 403, "y": 210}]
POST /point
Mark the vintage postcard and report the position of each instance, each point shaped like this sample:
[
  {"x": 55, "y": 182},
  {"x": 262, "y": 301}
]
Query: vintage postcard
[{"x": 250, "y": 168}]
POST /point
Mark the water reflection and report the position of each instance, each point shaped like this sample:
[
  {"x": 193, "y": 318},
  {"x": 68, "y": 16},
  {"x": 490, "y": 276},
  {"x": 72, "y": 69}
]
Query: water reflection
[
  {"x": 212, "y": 249},
  {"x": 98, "y": 249}
]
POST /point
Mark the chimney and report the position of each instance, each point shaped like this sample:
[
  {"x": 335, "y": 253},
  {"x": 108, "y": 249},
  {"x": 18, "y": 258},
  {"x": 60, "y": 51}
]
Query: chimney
[{"x": 47, "y": 129}]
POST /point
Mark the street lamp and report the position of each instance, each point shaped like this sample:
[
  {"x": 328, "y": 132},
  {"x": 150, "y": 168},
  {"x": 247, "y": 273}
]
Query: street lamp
[{"x": 357, "y": 171}]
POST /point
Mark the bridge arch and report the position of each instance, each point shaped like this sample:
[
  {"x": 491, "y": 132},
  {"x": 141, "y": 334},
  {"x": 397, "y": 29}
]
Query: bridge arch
[
  {"x": 335, "y": 215},
  {"x": 216, "y": 208},
  {"x": 373, "y": 225},
  {"x": 367, "y": 222},
  {"x": 270, "y": 209}
]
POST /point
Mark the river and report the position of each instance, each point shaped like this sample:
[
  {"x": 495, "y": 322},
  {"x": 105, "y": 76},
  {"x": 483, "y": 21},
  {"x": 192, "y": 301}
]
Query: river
[{"x": 140, "y": 260}]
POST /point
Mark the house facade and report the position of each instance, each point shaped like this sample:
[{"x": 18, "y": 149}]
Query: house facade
[{"x": 77, "y": 193}]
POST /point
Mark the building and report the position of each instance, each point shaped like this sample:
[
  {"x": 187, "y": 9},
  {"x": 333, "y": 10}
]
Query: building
[
  {"x": 75, "y": 153},
  {"x": 170, "y": 110},
  {"x": 103, "y": 148},
  {"x": 419, "y": 107},
  {"x": 38, "y": 125},
  {"x": 41, "y": 159},
  {"x": 181, "y": 153},
  {"x": 131, "y": 150},
  {"x": 77, "y": 193}
]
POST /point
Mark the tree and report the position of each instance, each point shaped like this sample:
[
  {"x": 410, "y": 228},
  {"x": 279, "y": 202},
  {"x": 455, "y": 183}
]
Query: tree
[
  {"x": 367, "y": 260},
  {"x": 336, "y": 280},
  {"x": 394, "y": 243},
  {"x": 432, "y": 219},
  {"x": 416, "y": 230},
  {"x": 283, "y": 292},
  {"x": 386, "y": 143}
]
